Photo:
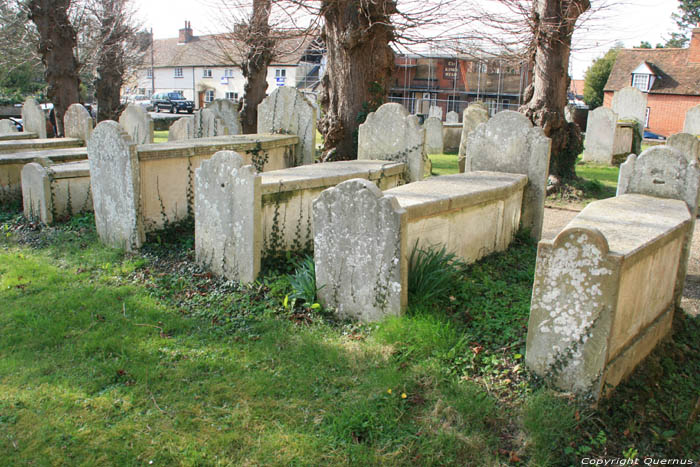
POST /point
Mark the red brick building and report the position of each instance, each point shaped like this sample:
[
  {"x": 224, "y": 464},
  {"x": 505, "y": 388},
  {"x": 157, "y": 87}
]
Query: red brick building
[
  {"x": 452, "y": 82},
  {"x": 670, "y": 77}
]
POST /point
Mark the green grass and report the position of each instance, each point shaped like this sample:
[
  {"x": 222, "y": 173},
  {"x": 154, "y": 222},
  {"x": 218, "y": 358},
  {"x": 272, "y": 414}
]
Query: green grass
[
  {"x": 444, "y": 164},
  {"x": 117, "y": 359},
  {"x": 160, "y": 136}
]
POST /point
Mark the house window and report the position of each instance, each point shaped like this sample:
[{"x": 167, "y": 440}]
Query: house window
[
  {"x": 232, "y": 95},
  {"x": 279, "y": 73},
  {"x": 209, "y": 95},
  {"x": 206, "y": 73},
  {"x": 646, "y": 118},
  {"x": 641, "y": 81},
  {"x": 452, "y": 103},
  {"x": 228, "y": 73},
  {"x": 149, "y": 72},
  {"x": 426, "y": 68},
  {"x": 178, "y": 72}
]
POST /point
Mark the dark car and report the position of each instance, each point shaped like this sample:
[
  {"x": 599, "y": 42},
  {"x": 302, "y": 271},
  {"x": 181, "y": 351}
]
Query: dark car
[
  {"x": 651, "y": 135},
  {"x": 173, "y": 102}
]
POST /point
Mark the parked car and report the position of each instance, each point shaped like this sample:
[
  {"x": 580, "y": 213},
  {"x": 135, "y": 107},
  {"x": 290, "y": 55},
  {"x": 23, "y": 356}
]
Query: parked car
[
  {"x": 140, "y": 100},
  {"x": 17, "y": 122},
  {"x": 651, "y": 135},
  {"x": 173, "y": 102}
]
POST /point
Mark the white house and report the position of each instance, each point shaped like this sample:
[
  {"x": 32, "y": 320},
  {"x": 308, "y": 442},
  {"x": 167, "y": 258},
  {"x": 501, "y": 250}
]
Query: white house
[{"x": 205, "y": 68}]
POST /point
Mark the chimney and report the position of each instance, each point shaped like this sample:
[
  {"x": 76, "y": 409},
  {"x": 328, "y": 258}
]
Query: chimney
[
  {"x": 185, "y": 34},
  {"x": 694, "y": 50}
]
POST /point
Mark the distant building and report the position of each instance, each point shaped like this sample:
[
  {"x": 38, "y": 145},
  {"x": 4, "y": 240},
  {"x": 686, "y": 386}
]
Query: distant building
[
  {"x": 451, "y": 82},
  {"x": 204, "y": 68},
  {"x": 670, "y": 77}
]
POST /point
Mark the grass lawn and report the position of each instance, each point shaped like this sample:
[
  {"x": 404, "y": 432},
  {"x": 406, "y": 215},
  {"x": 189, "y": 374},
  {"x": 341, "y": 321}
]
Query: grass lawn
[
  {"x": 116, "y": 359},
  {"x": 444, "y": 164},
  {"x": 160, "y": 136}
]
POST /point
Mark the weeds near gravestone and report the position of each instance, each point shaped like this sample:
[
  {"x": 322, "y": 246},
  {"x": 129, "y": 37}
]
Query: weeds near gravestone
[{"x": 432, "y": 273}]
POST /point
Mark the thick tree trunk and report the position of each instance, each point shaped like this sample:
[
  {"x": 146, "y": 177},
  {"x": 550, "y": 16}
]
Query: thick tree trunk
[
  {"x": 360, "y": 63},
  {"x": 110, "y": 60},
  {"x": 258, "y": 56},
  {"x": 553, "y": 25},
  {"x": 56, "y": 43}
]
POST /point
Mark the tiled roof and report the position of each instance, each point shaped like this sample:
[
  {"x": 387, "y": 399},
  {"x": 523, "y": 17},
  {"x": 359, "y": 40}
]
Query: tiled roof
[
  {"x": 674, "y": 74},
  {"x": 217, "y": 49}
]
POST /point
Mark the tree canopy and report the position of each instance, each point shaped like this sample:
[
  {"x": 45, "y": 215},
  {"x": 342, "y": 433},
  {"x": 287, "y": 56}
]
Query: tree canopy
[{"x": 596, "y": 76}]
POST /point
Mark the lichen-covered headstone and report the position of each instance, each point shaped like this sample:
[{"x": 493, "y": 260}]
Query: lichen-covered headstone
[
  {"x": 600, "y": 136},
  {"x": 433, "y": 136},
  {"x": 435, "y": 111},
  {"x": 665, "y": 172},
  {"x": 392, "y": 134},
  {"x": 33, "y": 118},
  {"x": 452, "y": 117},
  {"x": 472, "y": 117},
  {"x": 7, "y": 126},
  {"x": 227, "y": 210},
  {"x": 287, "y": 111},
  {"x": 687, "y": 144},
  {"x": 692, "y": 121},
  {"x": 359, "y": 251},
  {"x": 77, "y": 122},
  {"x": 227, "y": 110},
  {"x": 137, "y": 123},
  {"x": 115, "y": 185},
  {"x": 182, "y": 129},
  {"x": 509, "y": 143},
  {"x": 208, "y": 124},
  {"x": 630, "y": 103}
]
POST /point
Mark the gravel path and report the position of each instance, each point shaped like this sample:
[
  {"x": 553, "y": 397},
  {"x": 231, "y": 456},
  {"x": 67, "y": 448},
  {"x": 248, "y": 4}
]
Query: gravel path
[{"x": 556, "y": 219}]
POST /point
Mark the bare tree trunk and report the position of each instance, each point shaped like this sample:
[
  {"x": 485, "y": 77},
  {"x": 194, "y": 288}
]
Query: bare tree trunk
[
  {"x": 259, "y": 55},
  {"x": 110, "y": 60},
  {"x": 553, "y": 25},
  {"x": 357, "y": 34},
  {"x": 57, "y": 40}
]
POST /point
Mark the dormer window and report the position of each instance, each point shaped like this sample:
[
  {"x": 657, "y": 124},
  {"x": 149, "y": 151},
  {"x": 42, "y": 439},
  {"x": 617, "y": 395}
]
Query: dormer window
[{"x": 643, "y": 77}]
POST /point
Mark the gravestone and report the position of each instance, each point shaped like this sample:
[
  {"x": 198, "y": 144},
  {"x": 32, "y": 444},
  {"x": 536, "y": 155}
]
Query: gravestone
[
  {"x": 227, "y": 110},
  {"x": 137, "y": 123},
  {"x": 509, "y": 143},
  {"x": 358, "y": 232},
  {"x": 472, "y": 117},
  {"x": 630, "y": 103},
  {"x": 7, "y": 126},
  {"x": 224, "y": 223},
  {"x": 287, "y": 111},
  {"x": 114, "y": 180},
  {"x": 182, "y": 129},
  {"x": 77, "y": 122},
  {"x": 207, "y": 124},
  {"x": 600, "y": 136},
  {"x": 392, "y": 134},
  {"x": 687, "y": 144},
  {"x": 433, "y": 136},
  {"x": 452, "y": 117},
  {"x": 435, "y": 111},
  {"x": 692, "y": 121},
  {"x": 33, "y": 118}
]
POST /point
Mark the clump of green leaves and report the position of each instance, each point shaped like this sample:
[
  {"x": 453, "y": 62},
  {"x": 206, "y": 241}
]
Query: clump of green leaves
[
  {"x": 303, "y": 281},
  {"x": 432, "y": 274}
]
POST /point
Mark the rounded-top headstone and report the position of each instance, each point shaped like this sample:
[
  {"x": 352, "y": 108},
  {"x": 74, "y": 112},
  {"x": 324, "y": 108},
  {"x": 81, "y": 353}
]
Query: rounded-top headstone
[
  {"x": 77, "y": 122},
  {"x": 137, "y": 123},
  {"x": 33, "y": 118},
  {"x": 692, "y": 121}
]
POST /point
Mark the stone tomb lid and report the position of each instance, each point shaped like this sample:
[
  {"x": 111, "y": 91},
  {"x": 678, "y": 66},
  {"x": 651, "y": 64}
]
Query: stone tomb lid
[
  {"x": 71, "y": 169},
  {"x": 448, "y": 192},
  {"x": 37, "y": 144},
  {"x": 53, "y": 155},
  {"x": 326, "y": 174},
  {"x": 18, "y": 135},
  {"x": 630, "y": 222},
  {"x": 192, "y": 147}
]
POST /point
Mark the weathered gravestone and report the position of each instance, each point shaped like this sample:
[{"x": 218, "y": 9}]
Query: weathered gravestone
[
  {"x": 692, "y": 121},
  {"x": 227, "y": 110},
  {"x": 225, "y": 225},
  {"x": 137, "y": 123},
  {"x": 509, "y": 143},
  {"x": 372, "y": 247},
  {"x": 7, "y": 126},
  {"x": 392, "y": 134},
  {"x": 472, "y": 117},
  {"x": 630, "y": 104},
  {"x": 452, "y": 117},
  {"x": 207, "y": 124},
  {"x": 77, "y": 122},
  {"x": 600, "y": 136},
  {"x": 33, "y": 118},
  {"x": 433, "y": 136},
  {"x": 115, "y": 186},
  {"x": 287, "y": 111},
  {"x": 182, "y": 129},
  {"x": 687, "y": 144},
  {"x": 435, "y": 111}
]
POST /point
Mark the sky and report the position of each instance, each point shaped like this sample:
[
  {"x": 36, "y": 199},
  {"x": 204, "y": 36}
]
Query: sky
[{"x": 627, "y": 21}]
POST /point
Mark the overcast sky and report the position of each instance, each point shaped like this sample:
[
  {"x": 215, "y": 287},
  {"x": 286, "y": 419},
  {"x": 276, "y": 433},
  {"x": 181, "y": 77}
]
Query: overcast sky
[{"x": 629, "y": 22}]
